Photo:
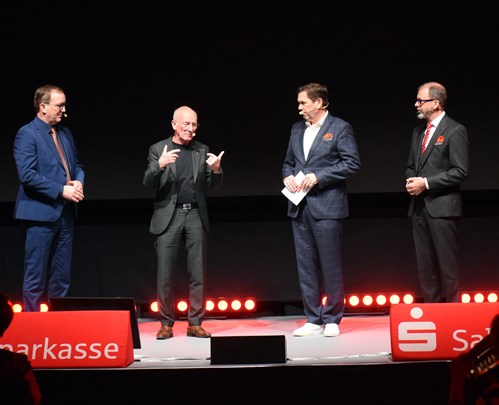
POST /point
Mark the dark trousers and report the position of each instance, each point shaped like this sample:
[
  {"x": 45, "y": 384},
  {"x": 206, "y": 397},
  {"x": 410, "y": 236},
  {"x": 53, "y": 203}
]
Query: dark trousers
[
  {"x": 437, "y": 254},
  {"x": 47, "y": 261},
  {"x": 319, "y": 261},
  {"x": 185, "y": 230}
]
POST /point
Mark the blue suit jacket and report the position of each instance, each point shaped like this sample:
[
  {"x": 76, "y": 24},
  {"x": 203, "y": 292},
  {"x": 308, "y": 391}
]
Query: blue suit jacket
[
  {"x": 41, "y": 173},
  {"x": 333, "y": 157}
]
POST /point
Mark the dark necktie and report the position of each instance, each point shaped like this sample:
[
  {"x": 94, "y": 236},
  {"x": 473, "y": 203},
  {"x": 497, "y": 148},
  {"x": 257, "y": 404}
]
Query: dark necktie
[
  {"x": 61, "y": 154},
  {"x": 425, "y": 139}
]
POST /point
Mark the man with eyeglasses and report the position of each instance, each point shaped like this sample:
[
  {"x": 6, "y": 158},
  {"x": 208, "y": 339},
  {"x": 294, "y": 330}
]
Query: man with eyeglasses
[
  {"x": 437, "y": 165},
  {"x": 51, "y": 180},
  {"x": 180, "y": 171}
]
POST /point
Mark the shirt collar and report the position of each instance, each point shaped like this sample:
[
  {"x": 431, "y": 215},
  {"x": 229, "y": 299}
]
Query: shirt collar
[
  {"x": 319, "y": 123},
  {"x": 437, "y": 120}
]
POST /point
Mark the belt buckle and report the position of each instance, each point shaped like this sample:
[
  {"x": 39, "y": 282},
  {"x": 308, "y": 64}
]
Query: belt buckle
[{"x": 186, "y": 207}]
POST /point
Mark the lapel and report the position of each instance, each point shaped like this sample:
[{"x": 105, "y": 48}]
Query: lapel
[
  {"x": 169, "y": 143},
  {"x": 299, "y": 130},
  {"x": 419, "y": 156},
  {"x": 318, "y": 138},
  {"x": 65, "y": 148},
  {"x": 196, "y": 157},
  {"x": 44, "y": 130},
  {"x": 442, "y": 126}
]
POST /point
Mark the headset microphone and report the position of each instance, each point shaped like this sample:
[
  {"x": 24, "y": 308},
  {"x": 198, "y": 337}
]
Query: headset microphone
[
  {"x": 307, "y": 112},
  {"x": 65, "y": 115},
  {"x": 301, "y": 112}
]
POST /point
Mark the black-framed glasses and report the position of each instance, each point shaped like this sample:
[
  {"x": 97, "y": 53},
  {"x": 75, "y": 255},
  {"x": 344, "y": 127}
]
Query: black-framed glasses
[
  {"x": 59, "y": 106},
  {"x": 421, "y": 102}
]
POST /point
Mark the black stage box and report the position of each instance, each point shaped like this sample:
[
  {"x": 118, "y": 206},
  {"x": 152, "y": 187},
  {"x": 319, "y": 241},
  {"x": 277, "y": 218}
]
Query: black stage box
[
  {"x": 248, "y": 349},
  {"x": 101, "y": 303}
]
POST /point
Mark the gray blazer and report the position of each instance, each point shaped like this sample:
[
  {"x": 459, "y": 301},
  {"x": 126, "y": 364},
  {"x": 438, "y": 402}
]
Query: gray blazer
[{"x": 164, "y": 184}]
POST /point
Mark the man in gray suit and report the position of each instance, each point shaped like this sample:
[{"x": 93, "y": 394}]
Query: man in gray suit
[
  {"x": 324, "y": 149},
  {"x": 180, "y": 171},
  {"x": 437, "y": 165}
]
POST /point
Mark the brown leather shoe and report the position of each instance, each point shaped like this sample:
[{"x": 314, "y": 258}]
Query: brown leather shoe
[
  {"x": 165, "y": 332},
  {"x": 197, "y": 331}
]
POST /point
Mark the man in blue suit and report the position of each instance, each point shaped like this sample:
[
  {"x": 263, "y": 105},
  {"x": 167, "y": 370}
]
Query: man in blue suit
[
  {"x": 51, "y": 183},
  {"x": 324, "y": 149}
]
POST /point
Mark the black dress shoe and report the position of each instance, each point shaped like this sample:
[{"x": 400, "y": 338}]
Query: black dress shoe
[
  {"x": 165, "y": 332},
  {"x": 197, "y": 331}
]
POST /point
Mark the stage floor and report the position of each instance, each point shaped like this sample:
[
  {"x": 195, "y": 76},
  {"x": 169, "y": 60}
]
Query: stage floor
[
  {"x": 353, "y": 368},
  {"x": 363, "y": 339}
]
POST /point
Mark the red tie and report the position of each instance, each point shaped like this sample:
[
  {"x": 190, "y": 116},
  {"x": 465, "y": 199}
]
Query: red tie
[
  {"x": 425, "y": 139},
  {"x": 61, "y": 154}
]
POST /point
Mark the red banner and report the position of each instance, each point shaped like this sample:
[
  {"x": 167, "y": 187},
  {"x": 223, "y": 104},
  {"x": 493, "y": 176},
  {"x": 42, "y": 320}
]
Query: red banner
[
  {"x": 438, "y": 331},
  {"x": 72, "y": 339}
]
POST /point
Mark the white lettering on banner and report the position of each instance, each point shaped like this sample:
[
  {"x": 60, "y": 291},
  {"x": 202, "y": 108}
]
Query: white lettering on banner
[
  {"x": 66, "y": 351},
  {"x": 464, "y": 341}
]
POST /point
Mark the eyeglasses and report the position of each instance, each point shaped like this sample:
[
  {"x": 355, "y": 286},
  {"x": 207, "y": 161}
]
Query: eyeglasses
[
  {"x": 421, "y": 102},
  {"x": 59, "y": 106}
]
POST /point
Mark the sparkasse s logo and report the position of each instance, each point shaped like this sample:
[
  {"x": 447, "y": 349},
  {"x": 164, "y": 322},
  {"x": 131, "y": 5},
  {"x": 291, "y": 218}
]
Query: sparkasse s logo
[
  {"x": 438, "y": 331},
  {"x": 420, "y": 336}
]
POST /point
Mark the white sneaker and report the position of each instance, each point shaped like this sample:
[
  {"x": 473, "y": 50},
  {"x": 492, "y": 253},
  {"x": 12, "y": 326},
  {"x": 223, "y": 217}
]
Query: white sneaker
[
  {"x": 331, "y": 330},
  {"x": 308, "y": 329}
]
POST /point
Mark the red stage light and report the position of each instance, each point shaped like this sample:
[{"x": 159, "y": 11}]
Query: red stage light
[
  {"x": 182, "y": 306},
  {"x": 479, "y": 297},
  {"x": 236, "y": 305},
  {"x": 222, "y": 305},
  {"x": 394, "y": 299},
  {"x": 381, "y": 300},
  {"x": 250, "y": 304},
  {"x": 492, "y": 297},
  {"x": 408, "y": 299},
  {"x": 367, "y": 300},
  {"x": 210, "y": 305},
  {"x": 154, "y": 306}
]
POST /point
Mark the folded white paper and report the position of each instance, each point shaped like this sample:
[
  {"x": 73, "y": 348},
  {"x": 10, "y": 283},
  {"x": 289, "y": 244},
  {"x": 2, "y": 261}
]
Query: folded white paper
[{"x": 295, "y": 198}]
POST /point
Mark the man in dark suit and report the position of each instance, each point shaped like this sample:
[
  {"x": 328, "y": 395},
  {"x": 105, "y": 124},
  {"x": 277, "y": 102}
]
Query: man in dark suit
[
  {"x": 180, "y": 171},
  {"x": 324, "y": 149},
  {"x": 51, "y": 182},
  {"x": 437, "y": 165}
]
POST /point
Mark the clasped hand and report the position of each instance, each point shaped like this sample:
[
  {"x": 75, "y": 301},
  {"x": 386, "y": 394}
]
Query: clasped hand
[
  {"x": 415, "y": 185},
  {"x": 73, "y": 191},
  {"x": 307, "y": 183}
]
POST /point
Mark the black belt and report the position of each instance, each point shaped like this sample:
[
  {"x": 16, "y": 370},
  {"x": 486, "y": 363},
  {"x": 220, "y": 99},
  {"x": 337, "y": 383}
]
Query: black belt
[{"x": 187, "y": 206}]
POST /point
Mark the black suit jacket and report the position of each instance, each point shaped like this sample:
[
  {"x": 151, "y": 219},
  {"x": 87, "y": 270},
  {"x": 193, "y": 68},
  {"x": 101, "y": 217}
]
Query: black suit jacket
[
  {"x": 164, "y": 183},
  {"x": 445, "y": 166}
]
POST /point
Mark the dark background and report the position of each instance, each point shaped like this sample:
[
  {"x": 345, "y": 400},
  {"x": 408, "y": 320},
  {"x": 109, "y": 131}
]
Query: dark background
[{"x": 238, "y": 64}]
